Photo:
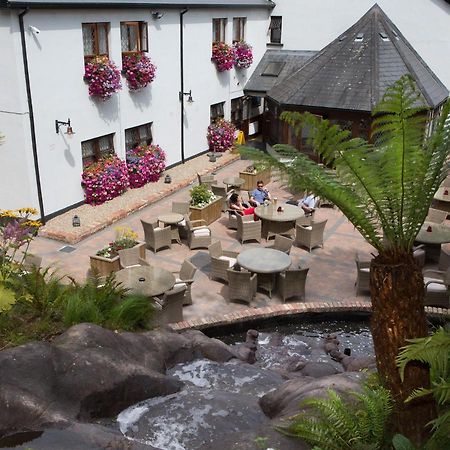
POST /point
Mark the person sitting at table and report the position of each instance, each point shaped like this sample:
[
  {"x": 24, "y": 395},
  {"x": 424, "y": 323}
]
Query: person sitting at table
[
  {"x": 236, "y": 204},
  {"x": 308, "y": 203},
  {"x": 259, "y": 195}
]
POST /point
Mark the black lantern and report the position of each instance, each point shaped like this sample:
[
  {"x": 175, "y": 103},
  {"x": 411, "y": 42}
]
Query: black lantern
[
  {"x": 76, "y": 221},
  {"x": 212, "y": 157},
  {"x": 168, "y": 179}
]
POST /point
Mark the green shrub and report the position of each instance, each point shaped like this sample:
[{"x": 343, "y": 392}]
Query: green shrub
[
  {"x": 80, "y": 308},
  {"x": 201, "y": 195},
  {"x": 133, "y": 312}
]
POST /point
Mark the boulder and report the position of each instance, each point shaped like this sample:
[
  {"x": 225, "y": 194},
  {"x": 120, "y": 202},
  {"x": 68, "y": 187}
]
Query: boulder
[{"x": 210, "y": 348}]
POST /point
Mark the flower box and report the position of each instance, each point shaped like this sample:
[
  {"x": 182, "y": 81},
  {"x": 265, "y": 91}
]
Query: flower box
[
  {"x": 104, "y": 266},
  {"x": 251, "y": 178},
  {"x": 209, "y": 213}
]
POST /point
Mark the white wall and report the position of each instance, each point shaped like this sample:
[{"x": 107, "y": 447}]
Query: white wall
[{"x": 311, "y": 25}]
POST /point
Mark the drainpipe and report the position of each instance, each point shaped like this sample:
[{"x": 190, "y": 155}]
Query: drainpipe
[
  {"x": 31, "y": 115},
  {"x": 182, "y": 13}
]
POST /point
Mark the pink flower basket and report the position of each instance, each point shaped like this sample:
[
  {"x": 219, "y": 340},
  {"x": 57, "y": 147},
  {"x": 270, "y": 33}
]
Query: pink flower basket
[
  {"x": 145, "y": 164},
  {"x": 220, "y": 135},
  {"x": 138, "y": 70},
  {"x": 223, "y": 56},
  {"x": 243, "y": 55},
  {"x": 103, "y": 77}
]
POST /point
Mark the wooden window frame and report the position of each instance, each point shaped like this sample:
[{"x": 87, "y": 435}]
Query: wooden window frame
[
  {"x": 138, "y": 138},
  {"x": 237, "y": 110},
  {"x": 141, "y": 36},
  {"x": 95, "y": 26},
  {"x": 219, "y": 26},
  {"x": 239, "y": 24},
  {"x": 272, "y": 27},
  {"x": 219, "y": 111},
  {"x": 97, "y": 152}
]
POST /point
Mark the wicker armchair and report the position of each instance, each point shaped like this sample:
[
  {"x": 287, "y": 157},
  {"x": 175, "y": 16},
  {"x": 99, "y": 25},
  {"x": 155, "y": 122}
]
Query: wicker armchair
[
  {"x": 220, "y": 191},
  {"x": 172, "y": 305},
  {"x": 419, "y": 254},
  {"x": 437, "y": 288},
  {"x": 199, "y": 235},
  {"x": 248, "y": 229},
  {"x": 282, "y": 243},
  {"x": 362, "y": 275},
  {"x": 436, "y": 215},
  {"x": 232, "y": 221},
  {"x": 183, "y": 209},
  {"x": 131, "y": 257},
  {"x": 221, "y": 261},
  {"x": 292, "y": 283},
  {"x": 156, "y": 237},
  {"x": 241, "y": 285},
  {"x": 310, "y": 236},
  {"x": 206, "y": 179},
  {"x": 185, "y": 277}
]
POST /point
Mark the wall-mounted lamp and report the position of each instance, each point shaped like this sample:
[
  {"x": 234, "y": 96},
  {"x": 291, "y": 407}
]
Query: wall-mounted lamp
[
  {"x": 157, "y": 15},
  {"x": 59, "y": 123},
  {"x": 189, "y": 94}
]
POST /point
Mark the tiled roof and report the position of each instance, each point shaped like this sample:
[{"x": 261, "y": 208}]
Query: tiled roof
[
  {"x": 288, "y": 61},
  {"x": 353, "y": 71},
  {"x": 136, "y": 3}
]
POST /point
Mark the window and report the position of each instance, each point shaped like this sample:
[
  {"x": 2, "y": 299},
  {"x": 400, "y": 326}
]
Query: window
[
  {"x": 275, "y": 29},
  {"x": 140, "y": 135},
  {"x": 134, "y": 37},
  {"x": 238, "y": 107},
  {"x": 239, "y": 29},
  {"x": 97, "y": 148},
  {"x": 219, "y": 26},
  {"x": 95, "y": 39},
  {"x": 216, "y": 111}
]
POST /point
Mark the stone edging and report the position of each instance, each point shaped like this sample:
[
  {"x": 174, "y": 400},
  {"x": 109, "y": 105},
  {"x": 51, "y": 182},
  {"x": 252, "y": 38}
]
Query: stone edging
[
  {"x": 74, "y": 238},
  {"x": 248, "y": 315}
]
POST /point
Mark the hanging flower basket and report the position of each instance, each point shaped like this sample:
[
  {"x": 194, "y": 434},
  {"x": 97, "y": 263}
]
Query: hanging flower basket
[
  {"x": 223, "y": 56},
  {"x": 104, "y": 180},
  {"x": 145, "y": 164},
  {"x": 220, "y": 135},
  {"x": 138, "y": 70},
  {"x": 243, "y": 55},
  {"x": 103, "y": 77}
]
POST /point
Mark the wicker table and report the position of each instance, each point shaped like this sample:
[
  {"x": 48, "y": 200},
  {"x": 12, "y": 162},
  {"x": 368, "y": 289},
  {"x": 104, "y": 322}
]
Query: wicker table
[
  {"x": 146, "y": 280},
  {"x": 433, "y": 235},
  {"x": 278, "y": 222},
  {"x": 172, "y": 219},
  {"x": 266, "y": 262},
  {"x": 233, "y": 183}
]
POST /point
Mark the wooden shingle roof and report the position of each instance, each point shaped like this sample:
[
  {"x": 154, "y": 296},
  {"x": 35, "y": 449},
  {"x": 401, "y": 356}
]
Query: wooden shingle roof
[{"x": 353, "y": 71}]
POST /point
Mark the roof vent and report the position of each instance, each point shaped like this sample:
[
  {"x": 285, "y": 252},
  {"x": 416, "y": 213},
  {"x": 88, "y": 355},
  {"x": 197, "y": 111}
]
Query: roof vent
[
  {"x": 342, "y": 38},
  {"x": 359, "y": 37},
  {"x": 273, "y": 69},
  {"x": 384, "y": 36},
  {"x": 395, "y": 34}
]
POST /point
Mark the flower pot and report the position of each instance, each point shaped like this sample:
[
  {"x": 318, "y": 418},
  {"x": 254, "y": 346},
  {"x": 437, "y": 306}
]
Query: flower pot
[
  {"x": 208, "y": 213},
  {"x": 252, "y": 178}
]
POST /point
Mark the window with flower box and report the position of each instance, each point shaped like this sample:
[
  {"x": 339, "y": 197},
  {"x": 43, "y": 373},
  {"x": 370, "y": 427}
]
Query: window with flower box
[
  {"x": 216, "y": 111},
  {"x": 275, "y": 29},
  {"x": 97, "y": 148},
  {"x": 239, "y": 29},
  {"x": 140, "y": 135},
  {"x": 219, "y": 26},
  {"x": 134, "y": 37},
  {"x": 95, "y": 39}
]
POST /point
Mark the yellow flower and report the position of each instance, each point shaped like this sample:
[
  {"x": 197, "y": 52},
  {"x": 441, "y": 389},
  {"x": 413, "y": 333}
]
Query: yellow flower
[
  {"x": 32, "y": 223},
  {"x": 8, "y": 213},
  {"x": 27, "y": 210},
  {"x": 125, "y": 233}
]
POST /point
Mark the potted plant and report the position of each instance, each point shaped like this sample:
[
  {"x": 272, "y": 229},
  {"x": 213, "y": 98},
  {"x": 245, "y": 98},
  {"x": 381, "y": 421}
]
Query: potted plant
[
  {"x": 138, "y": 70},
  {"x": 220, "y": 135},
  {"x": 223, "y": 56},
  {"x": 145, "y": 164},
  {"x": 252, "y": 174},
  {"x": 106, "y": 260},
  {"x": 103, "y": 77},
  {"x": 204, "y": 204},
  {"x": 243, "y": 55}
]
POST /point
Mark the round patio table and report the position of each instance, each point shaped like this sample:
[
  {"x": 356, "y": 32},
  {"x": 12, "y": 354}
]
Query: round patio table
[
  {"x": 433, "y": 235},
  {"x": 233, "y": 182},
  {"x": 146, "y": 280},
  {"x": 278, "y": 222},
  {"x": 172, "y": 219}
]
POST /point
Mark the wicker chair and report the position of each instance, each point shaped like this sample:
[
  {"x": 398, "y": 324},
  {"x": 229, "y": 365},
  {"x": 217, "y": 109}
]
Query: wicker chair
[
  {"x": 444, "y": 257},
  {"x": 437, "y": 288},
  {"x": 220, "y": 191},
  {"x": 436, "y": 215},
  {"x": 248, "y": 229},
  {"x": 292, "y": 283},
  {"x": 156, "y": 237},
  {"x": 362, "y": 275},
  {"x": 241, "y": 285},
  {"x": 206, "y": 179},
  {"x": 131, "y": 257},
  {"x": 419, "y": 254},
  {"x": 232, "y": 221},
  {"x": 185, "y": 277},
  {"x": 199, "y": 235},
  {"x": 282, "y": 243},
  {"x": 172, "y": 305},
  {"x": 183, "y": 209},
  {"x": 221, "y": 261},
  {"x": 310, "y": 236}
]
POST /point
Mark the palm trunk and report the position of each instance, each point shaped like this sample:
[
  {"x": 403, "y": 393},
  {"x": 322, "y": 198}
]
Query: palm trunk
[{"x": 397, "y": 315}]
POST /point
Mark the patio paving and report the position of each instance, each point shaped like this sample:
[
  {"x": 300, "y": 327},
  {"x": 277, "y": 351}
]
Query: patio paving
[{"x": 330, "y": 279}]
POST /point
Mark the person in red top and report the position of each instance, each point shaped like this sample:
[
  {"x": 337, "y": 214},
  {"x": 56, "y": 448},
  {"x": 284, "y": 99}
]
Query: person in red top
[{"x": 236, "y": 204}]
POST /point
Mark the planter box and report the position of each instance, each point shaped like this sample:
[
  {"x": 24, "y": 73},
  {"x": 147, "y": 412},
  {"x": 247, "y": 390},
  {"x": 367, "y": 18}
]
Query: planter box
[
  {"x": 208, "y": 213},
  {"x": 104, "y": 266},
  {"x": 252, "y": 178}
]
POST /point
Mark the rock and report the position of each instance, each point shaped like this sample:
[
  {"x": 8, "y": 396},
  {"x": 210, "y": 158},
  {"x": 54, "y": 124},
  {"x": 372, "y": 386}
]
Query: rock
[
  {"x": 247, "y": 351},
  {"x": 353, "y": 363},
  {"x": 205, "y": 347},
  {"x": 318, "y": 369},
  {"x": 331, "y": 343}
]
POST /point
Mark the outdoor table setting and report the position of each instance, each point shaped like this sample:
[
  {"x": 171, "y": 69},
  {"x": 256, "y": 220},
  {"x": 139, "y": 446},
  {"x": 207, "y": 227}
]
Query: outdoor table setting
[
  {"x": 172, "y": 219},
  {"x": 442, "y": 198},
  {"x": 146, "y": 280},
  {"x": 278, "y": 219},
  {"x": 266, "y": 263},
  {"x": 433, "y": 235},
  {"x": 233, "y": 183}
]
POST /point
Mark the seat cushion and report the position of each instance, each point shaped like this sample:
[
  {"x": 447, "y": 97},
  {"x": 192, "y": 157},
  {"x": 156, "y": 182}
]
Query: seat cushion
[
  {"x": 365, "y": 269},
  {"x": 157, "y": 228},
  {"x": 231, "y": 261},
  {"x": 202, "y": 232},
  {"x": 179, "y": 283},
  {"x": 307, "y": 227},
  {"x": 434, "y": 286},
  {"x": 182, "y": 223}
]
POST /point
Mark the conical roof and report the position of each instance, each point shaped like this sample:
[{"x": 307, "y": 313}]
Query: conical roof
[{"x": 353, "y": 72}]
